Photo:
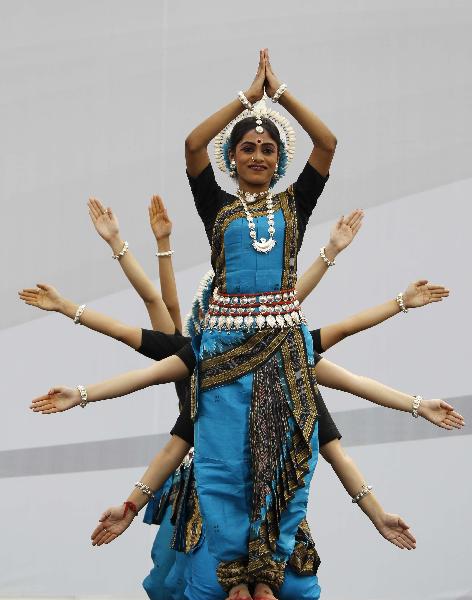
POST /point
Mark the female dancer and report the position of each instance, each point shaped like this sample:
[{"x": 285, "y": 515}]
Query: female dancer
[
  {"x": 294, "y": 442},
  {"x": 256, "y": 384}
]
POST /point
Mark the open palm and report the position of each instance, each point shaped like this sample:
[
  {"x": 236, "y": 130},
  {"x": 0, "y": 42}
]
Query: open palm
[
  {"x": 103, "y": 219},
  {"x": 43, "y": 296},
  {"x": 394, "y": 529},
  {"x": 112, "y": 523},
  {"x": 441, "y": 413},
  {"x": 161, "y": 225},
  {"x": 420, "y": 293},
  {"x": 58, "y": 399},
  {"x": 345, "y": 229}
]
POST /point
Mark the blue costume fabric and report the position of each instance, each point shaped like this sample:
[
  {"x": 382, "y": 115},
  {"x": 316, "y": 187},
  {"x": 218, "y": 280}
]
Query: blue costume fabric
[
  {"x": 163, "y": 558},
  {"x": 256, "y": 442}
]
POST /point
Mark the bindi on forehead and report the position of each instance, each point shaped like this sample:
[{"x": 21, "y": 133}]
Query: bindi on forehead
[{"x": 257, "y": 140}]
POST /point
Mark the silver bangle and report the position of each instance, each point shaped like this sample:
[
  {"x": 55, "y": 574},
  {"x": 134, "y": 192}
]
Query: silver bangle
[
  {"x": 329, "y": 263},
  {"x": 415, "y": 405},
  {"x": 166, "y": 253},
  {"x": 144, "y": 488},
  {"x": 365, "y": 490},
  {"x": 122, "y": 252},
  {"x": 78, "y": 314},
  {"x": 83, "y": 396},
  {"x": 244, "y": 101},
  {"x": 279, "y": 92},
  {"x": 401, "y": 303}
]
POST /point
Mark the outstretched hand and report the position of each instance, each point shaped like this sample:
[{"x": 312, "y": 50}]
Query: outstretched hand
[
  {"x": 256, "y": 89},
  {"x": 58, "y": 399},
  {"x": 272, "y": 82},
  {"x": 441, "y": 413},
  {"x": 161, "y": 225},
  {"x": 394, "y": 529},
  {"x": 345, "y": 229},
  {"x": 419, "y": 293},
  {"x": 43, "y": 296},
  {"x": 111, "y": 524},
  {"x": 103, "y": 219}
]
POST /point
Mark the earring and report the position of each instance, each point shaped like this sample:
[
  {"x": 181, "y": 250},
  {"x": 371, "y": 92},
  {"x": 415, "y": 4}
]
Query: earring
[
  {"x": 232, "y": 169},
  {"x": 276, "y": 175}
]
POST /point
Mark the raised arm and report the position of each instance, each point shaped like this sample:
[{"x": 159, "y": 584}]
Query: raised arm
[
  {"x": 61, "y": 398},
  {"x": 161, "y": 227},
  {"x": 324, "y": 141},
  {"x": 115, "y": 520},
  {"x": 48, "y": 298},
  {"x": 196, "y": 154},
  {"x": 438, "y": 412},
  {"x": 342, "y": 234},
  {"x": 417, "y": 294},
  {"x": 392, "y": 527},
  {"x": 106, "y": 224}
]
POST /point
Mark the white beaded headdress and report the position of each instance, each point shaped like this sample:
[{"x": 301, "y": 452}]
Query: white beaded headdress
[{"x": 258, "y": 111}]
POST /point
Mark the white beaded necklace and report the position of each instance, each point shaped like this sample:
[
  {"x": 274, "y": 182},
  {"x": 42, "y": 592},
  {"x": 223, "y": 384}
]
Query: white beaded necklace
[{"x": 262, "y": 245}]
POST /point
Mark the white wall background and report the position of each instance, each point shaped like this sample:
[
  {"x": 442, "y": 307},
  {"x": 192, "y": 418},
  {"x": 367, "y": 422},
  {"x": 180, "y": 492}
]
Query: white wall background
[{"x": 97, "y": 98}]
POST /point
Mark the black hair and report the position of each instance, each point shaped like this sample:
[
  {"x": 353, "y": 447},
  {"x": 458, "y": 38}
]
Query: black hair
[{"x": 248, "y": 124}]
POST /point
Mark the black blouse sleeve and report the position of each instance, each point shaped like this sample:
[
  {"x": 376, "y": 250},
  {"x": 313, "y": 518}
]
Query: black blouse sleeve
[
  {"x": 184, "y": 425},
  {"x": 327, "y": 430},
  {"x": 208, "y": 197},
  {"x": 316, "y": 337},
  {"x": 187, "y": 355},
  {"x": 307, "y": 189},
  {"x": 157, "y": 345}
]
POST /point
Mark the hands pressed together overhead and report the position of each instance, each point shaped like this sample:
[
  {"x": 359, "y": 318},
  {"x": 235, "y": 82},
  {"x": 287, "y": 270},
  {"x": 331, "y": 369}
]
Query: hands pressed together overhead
[{"x": 265, "y": 79}]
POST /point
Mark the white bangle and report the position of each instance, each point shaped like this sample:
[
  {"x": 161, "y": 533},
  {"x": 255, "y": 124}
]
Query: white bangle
[
  {"x": 279, "y": 92},
  {"x": 78, "y": 314},
  {"x": 329, "y": 263},
  {"x": 244, "y": 101},
  {"x": 415, "y": 405},
  {"x": 365, "y": 490},
  {"x": 83, "y": 396},
  {"x": 144, "y": 488},
  {"x": 401, "y": 303},
  {"x": 166, "y": 253},
  {"x": 122, "y": 252}
]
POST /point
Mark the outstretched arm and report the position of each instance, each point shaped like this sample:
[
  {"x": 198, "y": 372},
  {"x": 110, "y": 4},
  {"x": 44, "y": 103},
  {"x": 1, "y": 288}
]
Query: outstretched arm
[
  {"x": 161, "y": 227},
  {"x": 342, "y": 234},
  {"x": 48, "y": 298},
  {"x": 61, "y": 398},
  {"x": 115, "y": 520},
  {"x": 324, "y": 141},
  {"x": 417, "y": 294},
  {"x": 391, "y": 527},
  {"x": 196, "y": 153},
  {"x": 106, "y": 224},
  {"x": 438, "y": 412}
]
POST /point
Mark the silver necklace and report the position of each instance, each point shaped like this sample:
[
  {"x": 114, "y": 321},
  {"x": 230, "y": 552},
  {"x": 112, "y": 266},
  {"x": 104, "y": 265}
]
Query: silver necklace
[{"x": 262, "y": 245}]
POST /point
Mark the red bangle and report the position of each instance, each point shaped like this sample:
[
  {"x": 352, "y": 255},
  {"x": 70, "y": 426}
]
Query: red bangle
[{"x": 129, "y": 506}]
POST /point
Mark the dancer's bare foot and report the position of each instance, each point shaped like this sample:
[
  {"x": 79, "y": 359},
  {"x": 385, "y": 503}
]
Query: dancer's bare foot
[
  {"x": 239, "y": 592},
  {"x": 263, "y": 592}
]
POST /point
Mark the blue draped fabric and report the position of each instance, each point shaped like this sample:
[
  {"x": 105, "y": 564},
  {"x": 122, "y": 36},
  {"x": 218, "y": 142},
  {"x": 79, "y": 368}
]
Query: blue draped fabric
[{"x": 222, "y": 447}]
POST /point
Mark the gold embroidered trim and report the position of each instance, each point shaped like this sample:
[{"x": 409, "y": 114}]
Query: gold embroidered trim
[
  {"x": 232, "y": 573},
  {"x": 304, "y": 559},
  {"x": 233, "y": 364}
]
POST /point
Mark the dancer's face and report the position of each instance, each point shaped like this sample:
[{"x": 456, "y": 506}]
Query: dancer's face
[{"x": 256, "y": 159}]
